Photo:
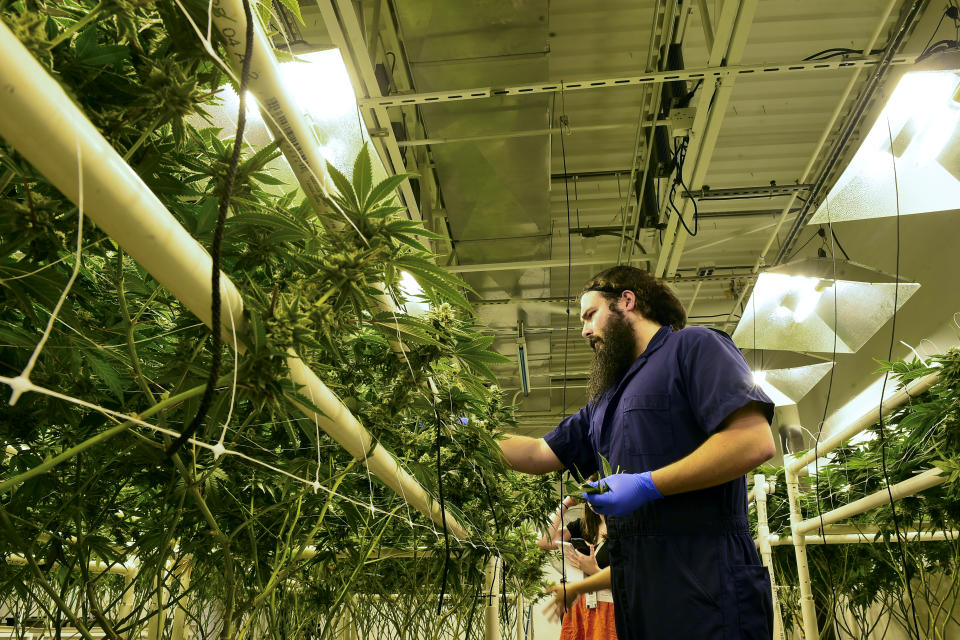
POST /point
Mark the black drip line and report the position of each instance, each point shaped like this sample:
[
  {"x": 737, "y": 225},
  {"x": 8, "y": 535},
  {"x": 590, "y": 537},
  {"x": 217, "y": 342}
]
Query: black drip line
[
  {"x": 679, "y": 159},
  {"x": 566, "y": 333},
  {"x": 215, "y": 249},
  {"x": 443, "y": 512},
  {"x": 901, "y": 537}
]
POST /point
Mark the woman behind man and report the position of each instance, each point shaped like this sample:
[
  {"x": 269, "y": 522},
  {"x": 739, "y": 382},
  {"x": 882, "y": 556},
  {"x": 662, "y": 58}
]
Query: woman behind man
[{"x": 591, "y": 617}]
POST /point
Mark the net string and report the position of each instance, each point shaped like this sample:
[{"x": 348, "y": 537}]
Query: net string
[{"x": 22, "y": 384}]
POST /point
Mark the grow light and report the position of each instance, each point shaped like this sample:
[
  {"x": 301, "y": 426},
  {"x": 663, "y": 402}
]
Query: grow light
[
  {"x": 789, "y": 386},
  {"x": 319, "y": 84},
  {"x": 416, "y": 304},
  {"x": 922, "y": 117},
  {"x": 792, "y": 307}
]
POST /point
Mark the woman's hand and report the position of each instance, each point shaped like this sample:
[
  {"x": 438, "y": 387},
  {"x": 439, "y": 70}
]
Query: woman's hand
[
  {"x": 563, "y": 600},
  {"x": 546, "y": 544},
  {"x": 584, "y": 562}
]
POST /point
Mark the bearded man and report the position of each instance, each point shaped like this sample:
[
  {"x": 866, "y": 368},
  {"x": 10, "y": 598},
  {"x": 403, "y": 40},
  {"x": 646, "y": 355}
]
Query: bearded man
[{"x": 676, "y": 412}]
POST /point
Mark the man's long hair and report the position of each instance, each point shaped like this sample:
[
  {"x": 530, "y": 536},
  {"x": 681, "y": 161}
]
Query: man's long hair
[{"x": 655, "y": 300}]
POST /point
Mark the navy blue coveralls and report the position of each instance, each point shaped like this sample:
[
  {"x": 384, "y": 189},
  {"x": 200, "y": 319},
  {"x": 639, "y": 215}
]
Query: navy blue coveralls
[{"x": 684, "y": 567}]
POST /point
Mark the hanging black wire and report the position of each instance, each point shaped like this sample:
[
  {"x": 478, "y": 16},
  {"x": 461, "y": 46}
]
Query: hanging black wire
[
  {"x": 679, "y": 158},
  {"x": 901, "y": 538},
  {"x": 823, "y": 420},
  {"x": 215, "y": 249},
  {"x": 566, "y": 192},
  {"x": 837, "y": 241},
  {"x": 443, "y": 510},
  {"x": 566, "y": 336}
]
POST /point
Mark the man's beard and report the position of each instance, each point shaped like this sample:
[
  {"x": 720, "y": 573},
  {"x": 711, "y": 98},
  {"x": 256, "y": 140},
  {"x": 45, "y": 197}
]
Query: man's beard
[{"x": 612, "y": 355}]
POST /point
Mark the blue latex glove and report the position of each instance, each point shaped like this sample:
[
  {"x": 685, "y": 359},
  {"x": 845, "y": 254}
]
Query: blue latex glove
[{"x": 627, "y": 492}]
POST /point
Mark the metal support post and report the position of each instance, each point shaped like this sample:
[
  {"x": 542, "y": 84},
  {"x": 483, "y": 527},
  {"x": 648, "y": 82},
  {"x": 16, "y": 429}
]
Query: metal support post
[
  {"x": 807, "y": 609},
  {"x": 760, "y": 490}
]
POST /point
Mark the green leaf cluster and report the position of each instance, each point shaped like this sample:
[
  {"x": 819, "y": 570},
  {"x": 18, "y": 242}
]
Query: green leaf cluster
[
  {"x": 257, "y": 547},
  {"x": 868, "y": 582}
]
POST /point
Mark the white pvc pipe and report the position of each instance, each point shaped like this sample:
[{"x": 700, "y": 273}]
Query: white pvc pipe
[
  {"x": 491, "y": 608},
  {"x": 808, "y": 609},
  {"x": 916, "y": 484},
  {"x": 866, "y": 538},
  {"x": 128, "y": 569},
  {"x": 869, "y": 418},
  {"x": 43, "y": 124},
  {"x": 119, "y": 202},
  {"x": 760, "y": 490},
  {"x": 280, "y": 111}
]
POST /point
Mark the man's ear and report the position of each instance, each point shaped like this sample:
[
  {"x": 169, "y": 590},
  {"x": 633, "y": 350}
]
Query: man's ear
[{"x": 629, "y": 300}]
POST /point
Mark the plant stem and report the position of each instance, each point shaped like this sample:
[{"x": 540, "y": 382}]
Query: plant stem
[
  {"x": 221, "y": 537},
  {"x": 143, "y": 138},
  {"x": 281, "y": 570},
  {"x": 100, "y": 438},
  {"x": 129, "y": 325},
  {"x": 38, "y": 575},
  {"x": 76, "y": 26}
]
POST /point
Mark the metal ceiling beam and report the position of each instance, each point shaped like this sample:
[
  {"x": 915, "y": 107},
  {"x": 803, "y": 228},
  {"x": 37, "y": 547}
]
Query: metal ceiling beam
[
  {"x": 658, "y": 77},
  {"x": 531, "y": 264},
  {"x": 815, "y": 156},
  {"x": 343, "y": 25},
  {"x": 733, "y": 193},
  {"x": 526, "y": 134},
  {"x": 705, "y": 131},
  {"x": 662, "y": 26}
]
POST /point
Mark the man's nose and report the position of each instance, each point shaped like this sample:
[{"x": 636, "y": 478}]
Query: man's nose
[{"x": 586, "y": 332}]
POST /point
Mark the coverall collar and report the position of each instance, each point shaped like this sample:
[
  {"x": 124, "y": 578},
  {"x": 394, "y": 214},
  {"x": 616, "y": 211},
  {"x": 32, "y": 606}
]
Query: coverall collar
[{"x": 657, "y": 341}]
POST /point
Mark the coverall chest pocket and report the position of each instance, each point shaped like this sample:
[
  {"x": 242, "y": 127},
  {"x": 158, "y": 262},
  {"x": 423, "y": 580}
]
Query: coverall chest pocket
[{"x": 646, "y": 424}]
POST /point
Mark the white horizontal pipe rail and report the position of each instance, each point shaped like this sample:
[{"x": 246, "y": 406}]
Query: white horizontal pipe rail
[
  {"x": 871, "y": 417},
  {"x": 866, "y": 538},
  {"x": 916, "y": 484},
  {"x": 44, "y": 125},
  {"x": 280, "y": 111},
  {"x": 124, "y": 207},
  {"x": 94, "y": 566}
]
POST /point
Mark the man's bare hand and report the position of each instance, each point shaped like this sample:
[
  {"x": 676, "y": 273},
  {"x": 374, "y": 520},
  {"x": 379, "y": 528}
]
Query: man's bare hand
[{"x": 559, "y": 605}]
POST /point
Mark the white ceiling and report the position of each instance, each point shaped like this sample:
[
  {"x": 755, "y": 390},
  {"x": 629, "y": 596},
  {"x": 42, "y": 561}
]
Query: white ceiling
[{"x": 505, "y": 199}]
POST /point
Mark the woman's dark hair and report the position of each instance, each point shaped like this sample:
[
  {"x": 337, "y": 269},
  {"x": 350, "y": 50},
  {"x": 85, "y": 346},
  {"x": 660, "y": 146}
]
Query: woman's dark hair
[
  {"x": 655, "y": 300},
  {"x": 590, "y": 526}
]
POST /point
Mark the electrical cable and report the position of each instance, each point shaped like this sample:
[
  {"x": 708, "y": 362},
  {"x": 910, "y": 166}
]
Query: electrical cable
[
  {"x": 823, "y": 420},
  {"x": 901, "y": 538},
  {"x": 839, "y": 51},
  {"x": 679, "y": 159},
  {"x": 443, "y": 514},
  {"x": 837, "y": 241},
  {"x": 794, "y": 254},
  {"x": 566, "y": 333},
  {"x": 215, "y": 249}
]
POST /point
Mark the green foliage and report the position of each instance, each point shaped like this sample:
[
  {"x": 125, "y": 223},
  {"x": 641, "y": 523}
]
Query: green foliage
[
  {"x": 864, "y": 578},
  {"x": 258, "y": 545}
]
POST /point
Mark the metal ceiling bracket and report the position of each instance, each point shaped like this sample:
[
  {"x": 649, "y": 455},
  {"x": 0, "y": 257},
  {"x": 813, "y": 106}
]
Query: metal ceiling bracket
[{"x": 658, "y": 77}]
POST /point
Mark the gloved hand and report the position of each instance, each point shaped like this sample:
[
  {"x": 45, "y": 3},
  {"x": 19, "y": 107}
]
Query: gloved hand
[{"x": 627, "y": 492}]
